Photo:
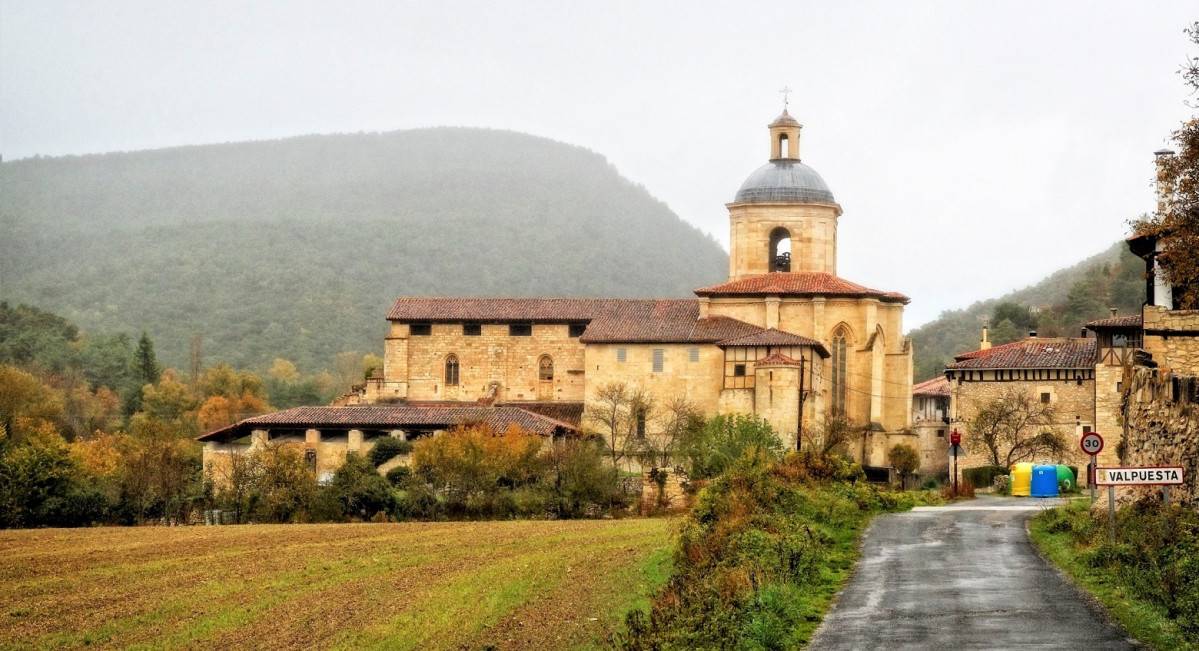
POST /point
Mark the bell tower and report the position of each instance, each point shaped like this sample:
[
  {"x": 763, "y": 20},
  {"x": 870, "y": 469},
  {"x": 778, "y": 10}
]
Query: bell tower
[{"x": 784, "y": 217}]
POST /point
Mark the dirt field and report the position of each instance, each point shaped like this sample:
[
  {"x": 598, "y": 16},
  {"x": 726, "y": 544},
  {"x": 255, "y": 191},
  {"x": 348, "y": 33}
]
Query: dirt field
[{"x": 510, "y": 585}]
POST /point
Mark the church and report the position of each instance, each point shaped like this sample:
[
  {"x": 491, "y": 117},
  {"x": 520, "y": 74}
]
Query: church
[{"x": 785, "y": 338}]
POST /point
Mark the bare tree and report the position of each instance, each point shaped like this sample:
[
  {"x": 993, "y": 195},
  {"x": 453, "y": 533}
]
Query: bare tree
[
  {"x": 619, "y": 413},
  {"x": 677, "y": 417},
  {"x": 835, "y": 431},
  {"x": 1014, "y": 427}
]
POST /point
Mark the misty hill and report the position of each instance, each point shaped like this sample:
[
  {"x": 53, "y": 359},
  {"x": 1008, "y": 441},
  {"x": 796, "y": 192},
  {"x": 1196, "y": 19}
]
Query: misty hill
[
  {"x": 1059, "y": 305},
  {"x": 296, "y": 248}
]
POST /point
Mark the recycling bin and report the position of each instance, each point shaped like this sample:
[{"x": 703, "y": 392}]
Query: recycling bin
[
  {"x": 1065, "y": 477},
  {"x": 1021, "y": 479},
  {"x": 1044, "y": 481}
]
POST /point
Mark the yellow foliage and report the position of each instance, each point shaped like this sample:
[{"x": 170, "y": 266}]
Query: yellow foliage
[{"x": 100, "y": 455}]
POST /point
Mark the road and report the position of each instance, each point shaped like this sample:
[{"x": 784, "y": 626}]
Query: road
[{"x": 963, "y": 576}]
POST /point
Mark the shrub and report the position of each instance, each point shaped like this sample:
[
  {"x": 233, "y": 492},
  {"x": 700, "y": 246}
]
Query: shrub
[
  {"x": 360, "y": 490},
  {"x": 388, "y": 448},
  {"x": 709, "y": 450},
  {"x": 983, "y": 475},
  {"x": 398, "y": 475},
  {"x": 964, "y": 490}
]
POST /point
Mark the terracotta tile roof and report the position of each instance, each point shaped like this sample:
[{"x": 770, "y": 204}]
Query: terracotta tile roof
[
  {"x": 936, "y": 387},
  {"x": 777, "y": 359},
  {"x": 774, "y": 337},
  {"x": 423, "y": 415},
  {"x": 798, "y": 284},
  {"x": 1131, "y": 321},
  {"x": 1031, "y": 353},
  {"x": 570, "y": 413},
  {"x": 502, "y": 310}
]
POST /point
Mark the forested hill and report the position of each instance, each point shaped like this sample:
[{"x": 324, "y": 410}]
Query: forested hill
[
  {"x": 1057, "y": 306},
  {"x": 296, "y": 248}
]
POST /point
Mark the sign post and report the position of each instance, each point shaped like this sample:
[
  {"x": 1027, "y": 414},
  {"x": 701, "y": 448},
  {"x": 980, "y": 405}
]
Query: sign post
[
  {"x": 1092, "y": 444},
  {"x": 955, "y": 439}
]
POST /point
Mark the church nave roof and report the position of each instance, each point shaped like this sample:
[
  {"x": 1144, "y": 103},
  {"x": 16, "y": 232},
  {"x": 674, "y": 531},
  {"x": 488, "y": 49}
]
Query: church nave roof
[{"x": 799, "y": 284}]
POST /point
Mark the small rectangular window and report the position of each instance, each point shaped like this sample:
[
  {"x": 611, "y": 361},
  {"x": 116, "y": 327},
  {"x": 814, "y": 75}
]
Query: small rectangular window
[
  {"x": 693, "y": 355},
  {"x": 420, "y": 329},
  {"x": 739, "y": 370},
  {"x": 622, "y": 355},
  {"x": 472, "y": 329},
  {"x": 659, "y": 354},
  {"x": 1045, "y": 397},
  {"x": 941, "y": 433},
  {"x": 577, "y": 329},
  {"x": 1086, "y": 429},
  {"x": 520, "y": 330},
  {"x": 1119, "y": 387}
]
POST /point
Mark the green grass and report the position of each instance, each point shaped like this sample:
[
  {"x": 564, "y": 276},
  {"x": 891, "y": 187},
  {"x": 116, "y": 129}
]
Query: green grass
[
  {"x": 402, "y": 586},
  {"x": 1144, "y": 621}
]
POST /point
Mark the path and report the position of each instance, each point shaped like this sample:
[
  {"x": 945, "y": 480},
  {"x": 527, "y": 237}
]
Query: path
[{"x": 963, "y": 576}]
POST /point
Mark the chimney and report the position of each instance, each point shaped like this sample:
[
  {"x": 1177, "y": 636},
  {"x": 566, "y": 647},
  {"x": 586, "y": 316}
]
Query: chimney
[
  {"x": 1115, "y": 311},
  {"x": 1032, "y": 334},
  {"x": 985, "y": 344},
  {"x": 1084, "y": 333}
]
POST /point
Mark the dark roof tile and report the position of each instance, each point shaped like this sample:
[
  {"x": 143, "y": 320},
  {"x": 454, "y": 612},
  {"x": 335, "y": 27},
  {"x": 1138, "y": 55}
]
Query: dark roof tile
[
  {"x": 1031, "y": 353},
  {"x": 798, "y": 284}
]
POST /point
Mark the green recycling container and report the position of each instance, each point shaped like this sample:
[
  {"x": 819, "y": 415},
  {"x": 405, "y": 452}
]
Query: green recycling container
[
  {"x": 1065, "y": 477},
  {"x": 1021, "y": 479}
]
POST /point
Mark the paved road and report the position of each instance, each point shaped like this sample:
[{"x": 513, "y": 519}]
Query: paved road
[{"x": 961, "y": 577}]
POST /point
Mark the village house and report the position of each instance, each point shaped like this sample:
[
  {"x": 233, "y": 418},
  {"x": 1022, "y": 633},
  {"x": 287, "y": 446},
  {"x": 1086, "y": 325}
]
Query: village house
[{"x": 785, "y": 339}]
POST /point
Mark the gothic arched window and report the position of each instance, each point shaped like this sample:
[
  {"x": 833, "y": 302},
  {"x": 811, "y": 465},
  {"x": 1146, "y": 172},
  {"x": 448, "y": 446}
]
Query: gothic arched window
[
  {"x": 451, "y": 371},
  {"x": 839, "y": 368}
]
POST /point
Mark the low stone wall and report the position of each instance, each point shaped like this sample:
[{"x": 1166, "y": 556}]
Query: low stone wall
[
  {"x": 1162, "y": 415},
  {"x": 664, "y": 489}
]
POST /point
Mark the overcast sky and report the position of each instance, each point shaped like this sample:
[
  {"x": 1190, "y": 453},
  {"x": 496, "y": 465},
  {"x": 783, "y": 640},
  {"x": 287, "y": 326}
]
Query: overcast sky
[{"x": 974, "y": 146}]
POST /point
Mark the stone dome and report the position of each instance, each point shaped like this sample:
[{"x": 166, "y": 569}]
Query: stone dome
[{"x": 784, "y": 180}]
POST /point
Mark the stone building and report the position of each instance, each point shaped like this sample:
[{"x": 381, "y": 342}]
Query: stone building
[
  {"x": 931, "y": 423},
  {"x": 1055, "y": 371},
  {"x": 785, "y": 338}
]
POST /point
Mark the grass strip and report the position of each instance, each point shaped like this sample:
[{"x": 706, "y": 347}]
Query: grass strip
[{"x": 1145, "y": 621}]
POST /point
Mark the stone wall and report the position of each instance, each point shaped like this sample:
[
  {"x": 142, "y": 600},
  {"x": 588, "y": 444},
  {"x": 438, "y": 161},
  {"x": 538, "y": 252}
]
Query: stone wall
[
  {"x": 1172, "y": 337},
  {"x": 1162, "y": 410},
  {"x": 664, "y": 489}
]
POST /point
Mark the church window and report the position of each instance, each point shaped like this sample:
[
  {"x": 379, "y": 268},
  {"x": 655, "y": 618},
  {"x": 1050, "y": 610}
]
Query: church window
[
  {"x": 840, "y": 368},
  {"x": 420, "y": 329},
  {"x": 451, "y": 371},
  {"x": 577, "y": 329},
  {"x": 545, "y": 368},
  {"x": 693, "y": 355},
  {"x": 659, "y": 356},
  {"x": 520, "y": 330},
  {"x": 622, "y": 355},
  {"x": 780, "y": 249},
  {"x": 472, "y": 329},
  {"x": 739, "y": 370}
]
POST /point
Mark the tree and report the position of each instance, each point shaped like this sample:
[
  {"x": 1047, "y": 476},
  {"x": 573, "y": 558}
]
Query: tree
[
  {"x": 905, "y": 460},
  {"x": 833, "y": 433},
  {"x": 145, "y": 361},
  {"x": 678, "y": 417},
  {"x": 1014, "y": 427},
  {"x": 619, "y": 413},
  {"x": 360, "y": 489},
  {"x": 1175, "y": 225},
  {"x": 1021, "y": 317},
  {"x": 25, "y": 400},
  {"x": 709, "y": 450}
]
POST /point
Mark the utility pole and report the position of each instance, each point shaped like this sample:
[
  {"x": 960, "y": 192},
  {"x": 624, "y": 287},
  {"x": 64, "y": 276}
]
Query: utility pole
[{"x": 799, "y": 417}]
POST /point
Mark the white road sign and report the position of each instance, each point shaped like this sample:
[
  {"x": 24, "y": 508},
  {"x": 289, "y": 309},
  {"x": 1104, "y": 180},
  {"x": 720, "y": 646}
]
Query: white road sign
[{"x": 1148, "y": 476}]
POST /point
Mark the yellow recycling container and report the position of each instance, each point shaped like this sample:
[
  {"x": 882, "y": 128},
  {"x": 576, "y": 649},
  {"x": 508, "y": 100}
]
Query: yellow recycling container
[{"x": 1021, "y": 479}]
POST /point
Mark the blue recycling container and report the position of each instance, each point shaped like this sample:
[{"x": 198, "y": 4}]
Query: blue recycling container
[{"x": 1044, "y": 481}]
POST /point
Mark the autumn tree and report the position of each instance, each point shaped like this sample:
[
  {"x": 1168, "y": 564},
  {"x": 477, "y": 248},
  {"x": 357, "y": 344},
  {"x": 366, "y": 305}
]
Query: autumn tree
[
  {"x": 1014, "y": 427},
  {"x": 25, "y": 401},
  {"x": 905, "y": 460},
  {"x": 1175, "y": 225},
  {"x": 673, "y": 421},
  {"x": 832, "y": 433}
]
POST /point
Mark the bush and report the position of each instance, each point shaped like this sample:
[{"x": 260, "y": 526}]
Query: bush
[
  {"x": 360, "y": 490},
  {"x": 964, "y": 490},
  {"x": 388, "y": 448},
  {"x": 984, "y": 475},
  {"x": 398, "y": 475}
]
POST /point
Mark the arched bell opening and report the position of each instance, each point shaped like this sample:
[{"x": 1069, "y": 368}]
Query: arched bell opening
[{"x": 780, "y": 249}]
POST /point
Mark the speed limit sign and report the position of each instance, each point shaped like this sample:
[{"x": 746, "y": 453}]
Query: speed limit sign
[{"x": 1091, "y": 443}]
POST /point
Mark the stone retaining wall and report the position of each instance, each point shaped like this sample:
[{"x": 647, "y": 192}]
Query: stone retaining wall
[{"x": 1162, "y": 415}]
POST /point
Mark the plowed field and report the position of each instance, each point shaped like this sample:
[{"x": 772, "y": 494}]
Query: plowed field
[{"x": 507, "y": 585}]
